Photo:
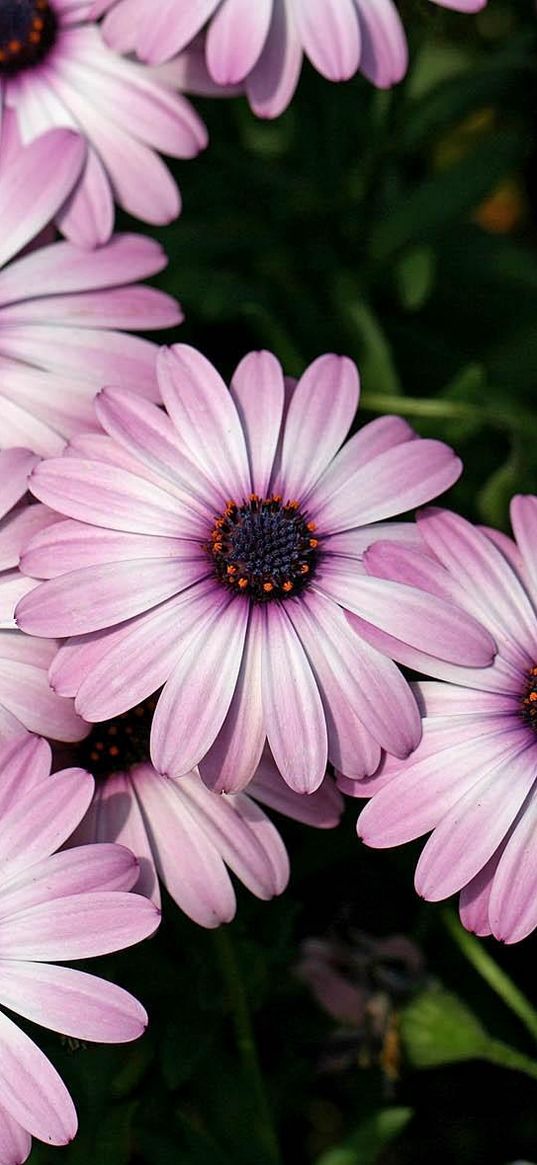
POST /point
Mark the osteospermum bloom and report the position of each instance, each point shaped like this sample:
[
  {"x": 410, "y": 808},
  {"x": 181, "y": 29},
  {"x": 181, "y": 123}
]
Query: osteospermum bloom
[
  {"x": 217, "y": 551},
  {"x": 473, "y": 779},
  {"x": 65, "y": 905},
  {"x": 262, "y": 44},
  {"x": 186, "y": 834},
  {"x": 56, "y": 70},
  {"x": 27, "y": 701},
  {"x": 64, "y": 312}
]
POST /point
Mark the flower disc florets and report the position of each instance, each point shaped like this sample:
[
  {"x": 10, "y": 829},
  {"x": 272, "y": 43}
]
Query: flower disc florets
[
  {"x": 27, "y": 33},
  {"x": 529, "y": 701},
  {"x": 265, "y": 548},
  {"x": 119, "y": 744}
]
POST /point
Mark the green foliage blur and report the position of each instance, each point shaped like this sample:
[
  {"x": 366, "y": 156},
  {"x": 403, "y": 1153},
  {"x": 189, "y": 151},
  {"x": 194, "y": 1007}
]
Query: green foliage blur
[{"x": 399, "y": 228}]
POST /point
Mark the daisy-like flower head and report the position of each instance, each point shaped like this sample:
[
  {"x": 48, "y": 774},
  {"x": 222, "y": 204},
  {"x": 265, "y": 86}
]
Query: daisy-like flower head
[
  {"x": 27, "y": 701},
  {"x": 217, "y": 551},
  {"x": 182, "y": 831},
  {"x": 64, "y": 311},
  {"x": 56, "y": 906},
  {"x": 262, "y": 44},
  {"x": 473, "y": 779},
  {"x": 56, "y": 70}
]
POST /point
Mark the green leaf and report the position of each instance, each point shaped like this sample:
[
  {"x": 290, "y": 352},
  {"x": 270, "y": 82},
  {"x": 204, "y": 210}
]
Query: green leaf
[
  {"x": 494, "y": 498},
  {"x": 415, "y": 277},
  {"x": 377, "y": 368},
  {"x": 437, "y": 1028},
  {"x": 364, "y": 1146}
]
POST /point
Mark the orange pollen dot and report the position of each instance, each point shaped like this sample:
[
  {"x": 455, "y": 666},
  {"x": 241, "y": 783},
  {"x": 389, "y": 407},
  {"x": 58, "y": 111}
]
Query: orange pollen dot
[
  {"x": 304, "y": 569},
  {"x": 533, "y": 697},
  {"x": 14, "y": 46},
  {"x": 312, "y": 526},
  {"x": 293, "y": 505},
  {"x": 113, "y": 750},
  {"x": 38, "y": 23},
  {"x": 534, "y": 671},
  {"x": 268, "y": 587},
  {"x": 34, "y": 37},
  {"x": 287, "y": 586},
  {"x": 231, "y": 570},
  {"x": 217, "y": 546},
  {"x": 243, "y": 582},
  {"x": 254, "y": 497},
  {"x": 276, "y": 498},
  {"x": 314, "y": 542}
]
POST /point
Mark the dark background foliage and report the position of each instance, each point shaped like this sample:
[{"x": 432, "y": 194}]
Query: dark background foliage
[{"x": 399, "y": 228}]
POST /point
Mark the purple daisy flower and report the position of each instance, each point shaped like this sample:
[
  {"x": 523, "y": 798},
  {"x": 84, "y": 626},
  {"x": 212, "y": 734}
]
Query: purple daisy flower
[
  {"x": 56, "y": 70},
  {"x": 473, "y": 779},
  {"x": 27, "y": 701},
  {"x": 217, "y": 551},
  {"x": 262, "y": 44},
  {"x": 64, "y": 311},
  {"x": 182, "y": 832},
  {"x": 65, "y": 905}
]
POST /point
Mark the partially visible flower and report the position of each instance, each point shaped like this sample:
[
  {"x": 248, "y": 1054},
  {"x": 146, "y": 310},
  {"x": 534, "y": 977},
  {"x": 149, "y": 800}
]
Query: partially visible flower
[
  {"x": 360, "y": 981},
  {"x": 65, "y": 905},
  {"x": 262, "y": 44},
  {"x": 27, "y": 701},
  {"x": 473, "y": 779},
  {"x": 64, "y": 311},
  {"x": 56, "y": 70},
  {"x": 182, "y": 832},
  {"x": 242, "y": 524}
]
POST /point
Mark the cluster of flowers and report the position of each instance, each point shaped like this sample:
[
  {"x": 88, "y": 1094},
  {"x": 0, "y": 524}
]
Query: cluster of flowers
[{"x": 202, "y": 603}]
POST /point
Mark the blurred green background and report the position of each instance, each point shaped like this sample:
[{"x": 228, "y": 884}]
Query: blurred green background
[{"x": 399, "y": 228}]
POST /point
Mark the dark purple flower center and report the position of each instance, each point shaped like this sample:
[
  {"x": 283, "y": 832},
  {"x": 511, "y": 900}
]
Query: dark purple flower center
[
  {"x": 116, "y": 745},
  {"x": 264, "y": 549},
  {"x": 529, "y": 700},
  {"x": 27, "y": 32}
]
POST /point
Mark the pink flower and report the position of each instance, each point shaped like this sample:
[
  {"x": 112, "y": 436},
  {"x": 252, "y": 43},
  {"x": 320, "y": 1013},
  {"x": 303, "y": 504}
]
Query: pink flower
[
  {"x": 62, "y": 905},
  {"x": 64, "y": 311},
  {"x": 185, "y": 833},
  {"x": 262, "y": 43},
  {"x": 472, "y": 780},
  {"x": 217, "y": 551},
  {"x": 27, "y": 701},
  {"x": 56, "y": 70}
]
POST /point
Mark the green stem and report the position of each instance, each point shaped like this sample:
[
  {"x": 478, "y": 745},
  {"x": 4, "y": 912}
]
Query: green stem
[
  {"x": 246, "y": 1044},
  {"x": 485, "y": 966},
  {"x": 379, "y": 402}
]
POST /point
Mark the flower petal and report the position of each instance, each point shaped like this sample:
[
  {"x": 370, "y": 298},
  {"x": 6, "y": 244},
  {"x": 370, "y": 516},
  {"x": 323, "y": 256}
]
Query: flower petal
[
  {"x": 235, "y": 39},
  {"x": 233, "y": 757},
  {"x": 421, "y": 620},
  {"x": 258, "y": 391},
  {"x": 78, "y": 926},
  {"x": 293, "y": 710},
  {"x": 330, "y": 33},
  {"x": 320, "y": 414},
  {"x": 195, "y": 700},
  {"x": 71, "y": 1002},
  {"x": 31, "y": 1090},
  {"x": 204, "y": 415},
  {"x": 473, "y": 828}
]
